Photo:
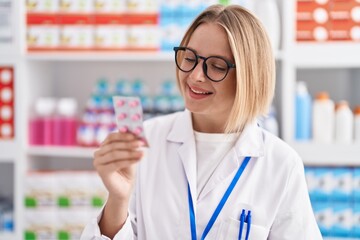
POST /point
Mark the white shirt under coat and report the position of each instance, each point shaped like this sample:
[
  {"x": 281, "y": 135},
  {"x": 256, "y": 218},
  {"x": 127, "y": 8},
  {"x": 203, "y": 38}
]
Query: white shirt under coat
[{"x": 272, "y": 186}]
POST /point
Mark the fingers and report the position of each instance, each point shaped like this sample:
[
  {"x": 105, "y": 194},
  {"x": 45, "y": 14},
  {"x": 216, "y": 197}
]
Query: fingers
[
  {"x": 116, "y": 146},
  {"x": 110, "y": 167},
  {"x": 118, "y": 155},
  {"x": 118, "y": 136}
]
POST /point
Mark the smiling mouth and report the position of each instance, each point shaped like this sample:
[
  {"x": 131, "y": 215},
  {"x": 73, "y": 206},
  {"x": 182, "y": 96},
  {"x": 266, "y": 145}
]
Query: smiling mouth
[{"x": 199, "y": 92}]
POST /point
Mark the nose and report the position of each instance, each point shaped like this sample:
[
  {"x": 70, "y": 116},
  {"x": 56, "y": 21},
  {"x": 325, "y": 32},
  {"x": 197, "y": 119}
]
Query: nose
[{"x": 198, "y": 73}]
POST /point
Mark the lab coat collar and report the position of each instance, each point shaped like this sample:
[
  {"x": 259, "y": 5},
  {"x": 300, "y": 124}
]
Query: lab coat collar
[
  {"x": 182, "y": 132},
  {"x": 250, "y": 143}
]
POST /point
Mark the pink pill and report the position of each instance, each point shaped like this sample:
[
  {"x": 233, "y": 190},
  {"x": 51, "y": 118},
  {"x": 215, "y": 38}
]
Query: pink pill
[
  {"x": 120, "y": 103},
  {"x": 123, "y": 129},
  {"x": 136, "y": 117},
  {"x": 121, "y": 116},
  {"x": 134, "y": 103},
  {"x": 138, "y": 130}
]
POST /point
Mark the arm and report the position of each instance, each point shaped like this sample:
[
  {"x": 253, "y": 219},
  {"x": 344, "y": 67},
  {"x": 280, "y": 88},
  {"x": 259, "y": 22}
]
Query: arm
[
  {"x": 295, "y": 218},
  {"x": 115, "y": 162}
]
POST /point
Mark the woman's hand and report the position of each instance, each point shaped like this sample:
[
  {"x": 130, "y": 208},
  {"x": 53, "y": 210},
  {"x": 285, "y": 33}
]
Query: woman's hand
[{"x": 115, "y": 163}]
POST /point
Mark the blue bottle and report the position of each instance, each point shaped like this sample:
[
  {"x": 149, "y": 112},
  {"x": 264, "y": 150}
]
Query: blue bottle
[{"x": 303, "y": 109}]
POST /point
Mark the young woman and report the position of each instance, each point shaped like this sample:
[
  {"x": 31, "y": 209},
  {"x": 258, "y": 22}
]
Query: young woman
[{"x": 210, "y": 172}]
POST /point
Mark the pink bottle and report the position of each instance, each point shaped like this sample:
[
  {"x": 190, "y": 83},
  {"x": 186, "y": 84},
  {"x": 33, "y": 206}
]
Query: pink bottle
[
  {"x": 42, "y": 122},
  {"x": 65, "y": 122}
]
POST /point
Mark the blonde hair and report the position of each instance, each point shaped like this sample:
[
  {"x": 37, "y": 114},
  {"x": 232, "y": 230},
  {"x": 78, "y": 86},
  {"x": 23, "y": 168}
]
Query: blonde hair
[{"x": 255, "y": 64}]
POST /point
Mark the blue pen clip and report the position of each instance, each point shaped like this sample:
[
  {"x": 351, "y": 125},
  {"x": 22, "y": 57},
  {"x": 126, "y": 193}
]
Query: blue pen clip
[
  {"x": 242, "y": 220},
  {"x": 248, "y": 226}
]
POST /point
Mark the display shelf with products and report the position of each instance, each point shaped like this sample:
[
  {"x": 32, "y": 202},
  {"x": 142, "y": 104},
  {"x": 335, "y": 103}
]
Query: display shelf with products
[
  {"x": 68, "y": 152},
  {"x": 73, "y": 74},
  {"x": 157, "y": 56}
]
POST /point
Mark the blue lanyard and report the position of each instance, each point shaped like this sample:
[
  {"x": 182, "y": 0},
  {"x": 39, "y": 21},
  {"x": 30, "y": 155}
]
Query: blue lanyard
[{"x": 218, "y": 208}]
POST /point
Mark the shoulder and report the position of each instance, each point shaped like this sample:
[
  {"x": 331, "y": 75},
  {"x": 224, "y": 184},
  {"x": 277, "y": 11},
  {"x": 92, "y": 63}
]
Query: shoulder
[{"x": 280, "y": 153}]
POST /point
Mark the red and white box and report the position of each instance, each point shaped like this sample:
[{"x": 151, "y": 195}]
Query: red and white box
[
  {"x": 76, "y": 6},
  {"x": 110, "y": 32},
  {"x": 345, "y": 20},
  {"x": 7, "y": 102},
  {"x": 43, "y": 32},
  {"x": 313, "y": 20},
  {"x": 317, "y": 11},
  {"x": 310, "y": 31},
  {"x": 42, "y": 6},
  {"x": 110, "y": 6},
  {"x": 144, "y": 37},
  {"x": 77, "y": 32}
]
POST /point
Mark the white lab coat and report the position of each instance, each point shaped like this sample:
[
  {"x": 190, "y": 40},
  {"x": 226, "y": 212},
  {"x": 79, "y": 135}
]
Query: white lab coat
[{"x": 272, "y": 186}]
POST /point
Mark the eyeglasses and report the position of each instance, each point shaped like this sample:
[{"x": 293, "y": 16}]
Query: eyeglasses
[{"x": 215, "y": 68}]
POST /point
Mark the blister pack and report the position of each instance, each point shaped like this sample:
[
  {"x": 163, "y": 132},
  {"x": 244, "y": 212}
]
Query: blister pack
[{"x": 129, "y": 116}]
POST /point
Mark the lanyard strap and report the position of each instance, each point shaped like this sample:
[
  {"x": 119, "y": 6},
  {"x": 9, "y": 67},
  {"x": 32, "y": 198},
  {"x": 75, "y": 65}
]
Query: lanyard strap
[{"x": 218, "y": 208}]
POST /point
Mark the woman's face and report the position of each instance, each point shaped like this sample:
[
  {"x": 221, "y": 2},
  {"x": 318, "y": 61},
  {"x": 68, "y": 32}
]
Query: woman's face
[{"x": 202, "y": 96}]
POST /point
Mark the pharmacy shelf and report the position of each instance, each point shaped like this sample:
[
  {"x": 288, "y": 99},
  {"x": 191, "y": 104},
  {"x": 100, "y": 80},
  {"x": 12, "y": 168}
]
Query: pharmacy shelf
[
  {"x": 7, "y": 236},
  {"x": 101, "y": 56},
  {"x": 67, "y": 152},
  {"x": 340, "y": 155},
  {"x": 131, "y": 56},
  {"x": 8, "y": 150},
  {"x": 326, "y": 55}
]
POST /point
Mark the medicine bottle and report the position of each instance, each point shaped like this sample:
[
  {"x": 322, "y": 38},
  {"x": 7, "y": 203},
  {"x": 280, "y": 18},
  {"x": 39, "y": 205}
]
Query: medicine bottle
[
  {"x": 66, "y": 122},
  {"x": 344, "y": 121},
  {"x": 42, "y": 122},
  {"x": 323, "y": 118},
  {"x": 303, "y": 105},
  {"x": 357, "y": 124}
]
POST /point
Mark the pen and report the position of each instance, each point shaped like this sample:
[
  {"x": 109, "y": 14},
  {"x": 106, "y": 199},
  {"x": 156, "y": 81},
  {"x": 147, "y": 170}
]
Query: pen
[
  {"x": 248, "y": 221},
  {"x": 242, "y": 219}
]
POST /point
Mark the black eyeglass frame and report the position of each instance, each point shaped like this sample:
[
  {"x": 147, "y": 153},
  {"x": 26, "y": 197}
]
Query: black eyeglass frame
[{"x": 204, "y": 66}]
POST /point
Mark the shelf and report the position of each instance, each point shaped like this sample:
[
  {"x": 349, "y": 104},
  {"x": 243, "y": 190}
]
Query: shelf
[
  {"x": 150, "y": 56},
  {"x": 7, "y": 236},
  {"x": 316, "y": 154},
  {"x": 68, "y": 152},
  {"x": 101, "y": 56},
  {"x": 326, "y": 55},
  {"x": 8, "y": 150}
]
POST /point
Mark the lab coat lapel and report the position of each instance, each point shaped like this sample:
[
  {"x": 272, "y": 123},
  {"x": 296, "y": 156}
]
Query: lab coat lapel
[
  {"x": 182, "y": 132},
  {"x": 250, "y": 143}
]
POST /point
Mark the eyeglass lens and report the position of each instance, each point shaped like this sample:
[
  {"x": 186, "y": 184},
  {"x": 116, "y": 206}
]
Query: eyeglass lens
[{"x": 215, "y": 68}]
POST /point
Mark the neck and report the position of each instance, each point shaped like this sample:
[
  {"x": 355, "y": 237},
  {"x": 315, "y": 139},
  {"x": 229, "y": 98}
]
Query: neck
[{"x": 205, "y": 124}]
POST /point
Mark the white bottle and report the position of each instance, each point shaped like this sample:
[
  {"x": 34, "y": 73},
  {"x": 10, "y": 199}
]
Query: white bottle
[
  {"x": 344, "y": 121},
  {"x": 267, "y": 11},
  {"x": 357, "y": 124},
  {"x": 323, "y": 118}
]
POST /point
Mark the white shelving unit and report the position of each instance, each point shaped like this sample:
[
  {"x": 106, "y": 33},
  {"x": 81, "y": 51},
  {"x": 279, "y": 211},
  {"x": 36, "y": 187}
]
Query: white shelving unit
[
  {"x": 65, "y": 152},
  {"x": 74, "y": 75},
  {"x": 315, "y": 154},
  {"x": 103, "y": 56}
]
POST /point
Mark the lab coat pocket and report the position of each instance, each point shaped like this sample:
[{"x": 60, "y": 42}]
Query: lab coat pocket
[{"x": 229, "y": 230}]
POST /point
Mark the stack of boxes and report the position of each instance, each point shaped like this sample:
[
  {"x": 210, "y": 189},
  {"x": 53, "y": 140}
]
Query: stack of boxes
[
  {"x": 328, "y": 20},
  {"x": 58, "y": 205},
  {"x": 335, "y": 197},
  {"x": 6, "y": 102},
  {"x": 78, "y": 25}
]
